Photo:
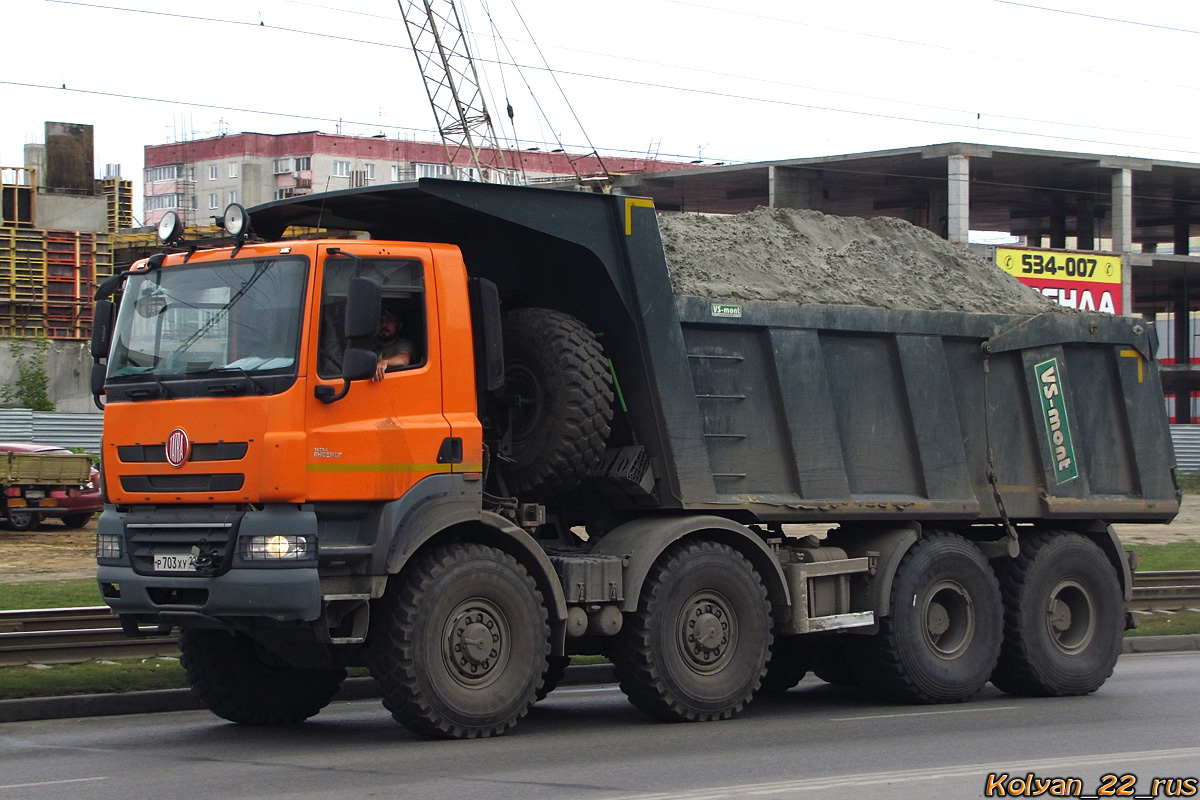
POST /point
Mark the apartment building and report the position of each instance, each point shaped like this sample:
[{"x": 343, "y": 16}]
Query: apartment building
[{"x": 199, "y": 178}]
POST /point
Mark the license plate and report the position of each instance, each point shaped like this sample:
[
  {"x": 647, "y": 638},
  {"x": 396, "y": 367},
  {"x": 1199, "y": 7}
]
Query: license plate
[
  {"x": 166, "y": 562},
  {"x": 34, "y": 494}
]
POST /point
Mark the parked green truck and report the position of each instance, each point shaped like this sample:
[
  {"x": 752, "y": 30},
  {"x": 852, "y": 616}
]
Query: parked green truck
[{"x": 34, "y": 483}]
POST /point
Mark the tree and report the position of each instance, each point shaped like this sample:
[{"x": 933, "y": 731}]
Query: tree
[{"x": 31, "y": 389}]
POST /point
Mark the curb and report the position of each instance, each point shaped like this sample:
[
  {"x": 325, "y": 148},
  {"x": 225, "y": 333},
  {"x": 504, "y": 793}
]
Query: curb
[
  {"x": 159, "y": 700},
  {"x": 108, "y": 705},
  {"x": 1161, "y": 644}
]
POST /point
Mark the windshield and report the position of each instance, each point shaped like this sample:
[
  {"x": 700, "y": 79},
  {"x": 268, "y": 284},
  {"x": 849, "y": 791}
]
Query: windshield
[{"x": 238, "y": 316}]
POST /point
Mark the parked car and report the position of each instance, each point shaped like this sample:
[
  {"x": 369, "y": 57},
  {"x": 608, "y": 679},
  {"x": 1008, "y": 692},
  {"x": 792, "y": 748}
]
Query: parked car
[{"x": 73, "y": 506}]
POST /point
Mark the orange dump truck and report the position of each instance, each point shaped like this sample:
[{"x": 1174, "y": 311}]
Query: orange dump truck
[{"x": 477, "y": 433}]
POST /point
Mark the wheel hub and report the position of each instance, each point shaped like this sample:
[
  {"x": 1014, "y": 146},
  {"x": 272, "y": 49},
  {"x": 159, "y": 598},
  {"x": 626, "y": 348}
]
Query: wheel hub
[
  {"x": 949, "y": 619},
  {"x": 475, "y": 642},
  {"x": 1071, "y": 616},
  {"x": 707, "y": 632}
]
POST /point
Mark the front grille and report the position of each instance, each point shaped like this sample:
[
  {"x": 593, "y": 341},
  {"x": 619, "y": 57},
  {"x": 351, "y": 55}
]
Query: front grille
[
  {"x": 214, "y": 543},
  {"x": 183, "y": 482},
  {"x": 201, "y": 451}
]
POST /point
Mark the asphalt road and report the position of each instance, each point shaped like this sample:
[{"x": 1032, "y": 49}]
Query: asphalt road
[{"x": 588, "y": 743}]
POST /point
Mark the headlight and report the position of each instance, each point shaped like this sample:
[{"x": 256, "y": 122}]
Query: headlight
[
  {"x": 108, "y": 545},
  {"x": 276, "y": 548}
]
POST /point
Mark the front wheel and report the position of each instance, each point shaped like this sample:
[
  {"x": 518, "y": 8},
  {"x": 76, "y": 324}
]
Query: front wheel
[
  {"x": 240, "y": 681},
  {"x": 1064, "y": 617},
  {"x": 697, "y": 647},
  {"x": 460, "y": 642},
  {"x": 76, "y": 520},
  {"x": 941, "y": 638},
  {"x": 21, "y": 520}
]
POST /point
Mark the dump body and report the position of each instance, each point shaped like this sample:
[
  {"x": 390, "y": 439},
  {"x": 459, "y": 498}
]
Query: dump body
[{"x": 794, "y": 413}]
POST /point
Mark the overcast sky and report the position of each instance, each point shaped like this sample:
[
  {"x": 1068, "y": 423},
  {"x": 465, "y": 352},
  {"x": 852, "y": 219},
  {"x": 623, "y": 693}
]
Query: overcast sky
[{"x": 717, "y": 80}]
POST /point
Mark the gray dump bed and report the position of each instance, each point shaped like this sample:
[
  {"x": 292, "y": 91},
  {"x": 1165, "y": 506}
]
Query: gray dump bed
[{"x": 783, "y": 412}]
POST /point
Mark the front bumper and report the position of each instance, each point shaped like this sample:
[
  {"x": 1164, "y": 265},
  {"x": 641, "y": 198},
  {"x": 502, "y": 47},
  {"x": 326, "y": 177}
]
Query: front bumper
[{"x": 230, "y": 585}]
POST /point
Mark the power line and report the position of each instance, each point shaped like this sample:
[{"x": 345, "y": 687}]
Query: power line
[
  {"x": 1097, "y": 16},
  {"x": 654, "y": 85},
  {"x": 878, "y": 115},
  {"x": 432, "y": 134},
  {"x": 931, "y": 46}
]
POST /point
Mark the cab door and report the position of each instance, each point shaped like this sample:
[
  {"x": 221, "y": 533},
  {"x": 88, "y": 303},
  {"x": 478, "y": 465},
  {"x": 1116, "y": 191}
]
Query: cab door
[{"x": 384, "y": 435}]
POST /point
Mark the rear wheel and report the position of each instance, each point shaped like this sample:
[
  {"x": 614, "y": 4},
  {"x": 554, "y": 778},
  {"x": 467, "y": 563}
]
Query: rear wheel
[
  {"x": 76, "y": 520},
  {"x": 240, "y": 681},
  {"x": 787, "y": 667},
  {"x": 460, "y": 643},
  {"x": 1064, "y": 617},
  {"x": 22, "y": 520},
  {"x": 940, "y": 641},
  {"x": 836, "y": 658},
  {"x": 697, "y": 648},
  {"x": 556, "y": 668}
]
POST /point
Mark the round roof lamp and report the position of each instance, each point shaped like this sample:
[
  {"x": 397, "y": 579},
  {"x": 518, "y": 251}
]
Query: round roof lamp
[
  {"x": 170, "y": 227},
  {"x": 236, "y": 220}
]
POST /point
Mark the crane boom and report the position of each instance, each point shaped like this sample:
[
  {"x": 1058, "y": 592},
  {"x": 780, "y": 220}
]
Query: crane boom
[{"x": 452, "y": 85}]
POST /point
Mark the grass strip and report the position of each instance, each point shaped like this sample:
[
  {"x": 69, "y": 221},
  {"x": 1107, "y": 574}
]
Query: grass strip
[{"x": 50, "y": 594}]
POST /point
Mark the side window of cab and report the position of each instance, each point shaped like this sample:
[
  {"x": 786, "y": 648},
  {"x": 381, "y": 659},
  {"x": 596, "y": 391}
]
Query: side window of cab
[{"x": 401, "y": 339}]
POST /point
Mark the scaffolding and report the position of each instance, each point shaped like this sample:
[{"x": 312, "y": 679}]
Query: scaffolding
[
  {"x": 18, "y": 193},
  {"x": 47, "y": 279},
  {"x": 118, "y": 192}
]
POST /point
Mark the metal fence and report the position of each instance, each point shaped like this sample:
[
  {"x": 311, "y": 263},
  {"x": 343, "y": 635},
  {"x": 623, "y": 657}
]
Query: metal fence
[
  {"x": 52, "y": 427},
  {"x": 1186, "y": 439}
]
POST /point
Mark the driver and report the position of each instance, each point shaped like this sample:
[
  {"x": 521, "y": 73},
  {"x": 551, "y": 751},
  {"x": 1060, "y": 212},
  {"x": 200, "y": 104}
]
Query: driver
[{"x": 394, "y": 350}]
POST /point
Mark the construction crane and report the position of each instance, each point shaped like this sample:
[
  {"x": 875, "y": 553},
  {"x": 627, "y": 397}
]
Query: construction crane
[{"x": 452, "y": 84}]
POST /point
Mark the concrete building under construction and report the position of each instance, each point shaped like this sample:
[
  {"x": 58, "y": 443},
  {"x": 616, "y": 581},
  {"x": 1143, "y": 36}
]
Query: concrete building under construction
[{"x": 56, "y": 226}]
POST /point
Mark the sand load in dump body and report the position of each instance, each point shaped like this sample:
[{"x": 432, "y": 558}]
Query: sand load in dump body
[{"x": 779, "y": 411}]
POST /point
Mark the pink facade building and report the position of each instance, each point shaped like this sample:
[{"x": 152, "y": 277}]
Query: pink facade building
[{"x": 199, "y": 178}]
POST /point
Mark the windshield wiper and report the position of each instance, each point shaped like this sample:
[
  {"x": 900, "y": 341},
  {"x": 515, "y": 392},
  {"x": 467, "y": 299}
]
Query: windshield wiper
[
  {"x": 230, "y": 388},
  {"x": 147, "y": 392}
]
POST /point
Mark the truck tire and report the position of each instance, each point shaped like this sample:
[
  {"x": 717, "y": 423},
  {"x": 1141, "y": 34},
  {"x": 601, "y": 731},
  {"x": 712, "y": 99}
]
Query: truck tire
[
  {"x": 558, "y": 376},
  {"x": 239, "y": 681},
  {"x": 697, "y": 647},
  {"x": 941, "y": 639},
  {"x": 76, "y": 520},
  {"x": 556, "y": 668},
  {"x": 787, "y": 667},
  {"x": 837, "y": 659},
  {"x": 1064, "y": 617},
  {"x": 22, "y": 520},
  {"x": 459, "y": 643}
]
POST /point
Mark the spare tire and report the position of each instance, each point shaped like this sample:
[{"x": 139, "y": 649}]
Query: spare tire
[{"x": 558, "y": 381}]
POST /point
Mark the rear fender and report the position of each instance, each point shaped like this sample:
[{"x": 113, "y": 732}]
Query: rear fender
[{"x": 642, "y": 541}]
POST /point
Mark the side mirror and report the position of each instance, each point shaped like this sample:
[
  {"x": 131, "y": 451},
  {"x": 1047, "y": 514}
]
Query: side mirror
[
  {"x": 97, "y": 379},
  {"x": 364, "y": 298},
  {"x": 102, "y": 326},
  {"x": 357, "y": 365}
]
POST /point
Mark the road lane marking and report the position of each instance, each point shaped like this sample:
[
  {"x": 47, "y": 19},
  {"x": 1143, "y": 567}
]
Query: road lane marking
[
  {"x": 1104, "y": 761},
  {"x": 924, "y": 713},
  {"x": 51, "y": 783}
]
